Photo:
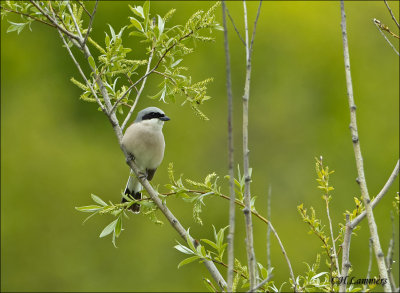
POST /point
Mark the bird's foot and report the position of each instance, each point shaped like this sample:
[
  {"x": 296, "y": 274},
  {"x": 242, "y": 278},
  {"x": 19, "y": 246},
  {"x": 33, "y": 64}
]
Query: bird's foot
[
  {"x": 129, "y": 158},
  {"x": 142, "y": 175}
]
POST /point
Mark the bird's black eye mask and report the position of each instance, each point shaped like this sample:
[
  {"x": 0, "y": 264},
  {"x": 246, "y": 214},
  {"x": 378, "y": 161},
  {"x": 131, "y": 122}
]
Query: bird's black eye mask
[{"x": 152, "y": 115}]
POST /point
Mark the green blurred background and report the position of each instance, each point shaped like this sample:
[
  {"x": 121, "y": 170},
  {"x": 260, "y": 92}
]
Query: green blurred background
[{"x": 56, "y": 149}]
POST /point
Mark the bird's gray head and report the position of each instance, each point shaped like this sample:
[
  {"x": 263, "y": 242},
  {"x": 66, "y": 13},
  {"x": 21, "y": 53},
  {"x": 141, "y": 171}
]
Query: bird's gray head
[{"x": 151, "y": 113}]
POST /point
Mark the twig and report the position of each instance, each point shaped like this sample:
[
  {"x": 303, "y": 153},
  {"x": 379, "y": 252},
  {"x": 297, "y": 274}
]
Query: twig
[
  {"x": 255, "y": 26},
  {"x": 379, "y": 26},
  {"x": 359, "y": 160},
  {"x": 231, "y": 235},
  {"x": 226, "y": 266},
  {"x": 27, "y": 15},
  {"x": 210, "y": 284},
  {"x": 74, "y": 20},
  {"x": 234, "y": 26},
  {"x": 138, "y": 94},
  {"x": 90, "y": 23},
  {"x": 261, "y": 284},
  {"x": 84, "y": 8},
  {"x": 391, "y": 13},
  {"x": 346, "y": 265},
  {"x": 251, "y": 258},
  {"x": 369, "y": 264},
  {"x": 268, "y": 228},
  {"x": 335, "y": 256},
  {"x": 286, "y": 256},
  {"x": 53, "y": 21},
  {"x": 380, "y": 195},
  {"x": 390, "y": 254}
]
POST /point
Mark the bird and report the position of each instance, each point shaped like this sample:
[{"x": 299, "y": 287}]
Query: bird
[{"x": 144, "y": 141}]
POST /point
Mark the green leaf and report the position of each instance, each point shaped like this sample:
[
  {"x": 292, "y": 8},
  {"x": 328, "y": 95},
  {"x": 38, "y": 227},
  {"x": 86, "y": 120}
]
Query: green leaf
[
  {"x": 108, "y": 229},
  {"x": 183, "y": 249},
  {"x": 135, "y": 23},
  {"x": 118, "y": 226},
  {"x": 98, "y": 200},
  {"x": 160, "y": 25},
  {"x": 209, "y": 242},
  {"x": 146, "y": 9},
  {"x": 188, "y": 260},
  {"x": 88, "y": 209},
  {"x": 91, "y": 62},
  {"x": 138, "y": 10}
]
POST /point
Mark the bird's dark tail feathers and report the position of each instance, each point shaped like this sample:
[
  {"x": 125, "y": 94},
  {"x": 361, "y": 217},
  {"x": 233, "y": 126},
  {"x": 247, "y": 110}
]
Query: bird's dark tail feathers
[{"x": 135, "y": 208}]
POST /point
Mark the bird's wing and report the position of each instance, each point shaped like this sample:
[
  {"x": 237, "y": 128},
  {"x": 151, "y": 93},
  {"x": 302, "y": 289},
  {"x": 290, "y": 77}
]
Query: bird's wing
[{"x": 150, "y": 173}]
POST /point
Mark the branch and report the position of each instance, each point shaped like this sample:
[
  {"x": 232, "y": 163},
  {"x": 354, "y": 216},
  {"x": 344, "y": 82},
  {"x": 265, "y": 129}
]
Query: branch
[
  {"x": 138, "y": 94},
  {"x": 261, "y": 284},
  {"x": 27, "y": 15},
  {"x": 54, "y": 22},
  {"x": 74, "y": 20},
  {"x": 90, "y": 23},
  {"x": 269, "y": 229},
  {"x": 251, "y": 258},
  {"x": 234, "y": 26},
  {"x": 380, "y": 27},
  {"x": 335, "y": 256},
  {"x": 380, "y": 195},
  {"x": 346, "y": 265},
  {"x": 391, "y": 13},
  {"x": 369, "y": 264},
  {"x": 390, "y": 254},
  {"x": 359, "y": 160},
  {"x": 231, "y": 235},
  {"x": 254, "y": 27}
]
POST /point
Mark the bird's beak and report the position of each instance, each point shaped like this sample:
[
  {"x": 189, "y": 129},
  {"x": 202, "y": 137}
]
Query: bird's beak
[{"x": 164, "y": 118}]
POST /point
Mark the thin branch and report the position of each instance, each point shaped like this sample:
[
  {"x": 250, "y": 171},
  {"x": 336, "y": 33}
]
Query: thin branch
[
  {"x": 74, "y": 20},
  {"x": 226, "y": 266},
  {"x": 27, "y": 15},
  {"x": 231, "y": 235},
  {"x": 359, "y": 160},
  {"x": 380, "y": 195},
  {"x": 234, "y": 26},
  {"x": 390, "y": 255},
  {"x": 90, "y": 23},
  {"x": 254, "y": 27},
  {"x": 391, "y": 13},
  {"x": 84, "y": 8},
  {"x": 54, "y": 22},
  {"x": 269, "y": 229},
  {"x": 346, "y": 265},
  {"x": 379, "y": 26},
  {"x": 261, "y": 284},
  {"x": 251, "y": 258},
  {"x": 369, "y": 264},
  {"x": 335, "y": 256},
  {"x": 138, "y": 94}
]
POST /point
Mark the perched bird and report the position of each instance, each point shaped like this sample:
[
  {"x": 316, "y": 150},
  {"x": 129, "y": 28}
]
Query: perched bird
[{"x": 144, "y": 140}]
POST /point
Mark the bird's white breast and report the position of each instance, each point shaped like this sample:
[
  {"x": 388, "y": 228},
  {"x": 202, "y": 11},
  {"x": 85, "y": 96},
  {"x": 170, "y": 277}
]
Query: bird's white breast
[{"x": 145, "y": 141}]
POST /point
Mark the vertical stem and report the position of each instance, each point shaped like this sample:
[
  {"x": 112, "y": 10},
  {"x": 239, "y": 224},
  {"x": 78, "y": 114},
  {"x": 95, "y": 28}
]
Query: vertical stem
[
  {"x": 251, "y": 259},
  {"x": 359, "y": 160},
  {"x": 346, "y": 253},
  {"x": 231, "y": 235},
  {"x": 269, "y": 228}
]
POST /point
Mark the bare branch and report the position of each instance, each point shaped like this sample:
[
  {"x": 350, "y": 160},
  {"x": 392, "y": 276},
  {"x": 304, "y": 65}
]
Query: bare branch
[
  {"x": 390, "y": 255},
  {"x": 379, "y": 26},
  {"x": 359, "y": 160},
  {"x": 251, "y": 258},
  {"x": 138, "y": 94},
  {"x": 84, "y": 8},
  {"x": 391, "y": 13},
  {"x": 74, "y": 20},
  {"x": 261, "y": 284},
  {"x": 255, "y": 26},
  {"x": 346, "y": 265},
  {"x": 234, "y": 26},
  {"x": 380, "y": 195},
  {"x": 231, "y": 235},
  {"x": 90, "y": 23},
  {"x": 335, "y": 256},
  {"x": 369, "y": 264},
  {"x": 269, "y": 228}
]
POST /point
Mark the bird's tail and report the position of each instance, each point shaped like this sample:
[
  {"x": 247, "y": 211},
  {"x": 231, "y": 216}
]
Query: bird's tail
[{"x": 132, "y": 189}]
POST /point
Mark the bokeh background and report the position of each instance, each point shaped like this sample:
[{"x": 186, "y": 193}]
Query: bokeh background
[{"x": 56, "y": 149}]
